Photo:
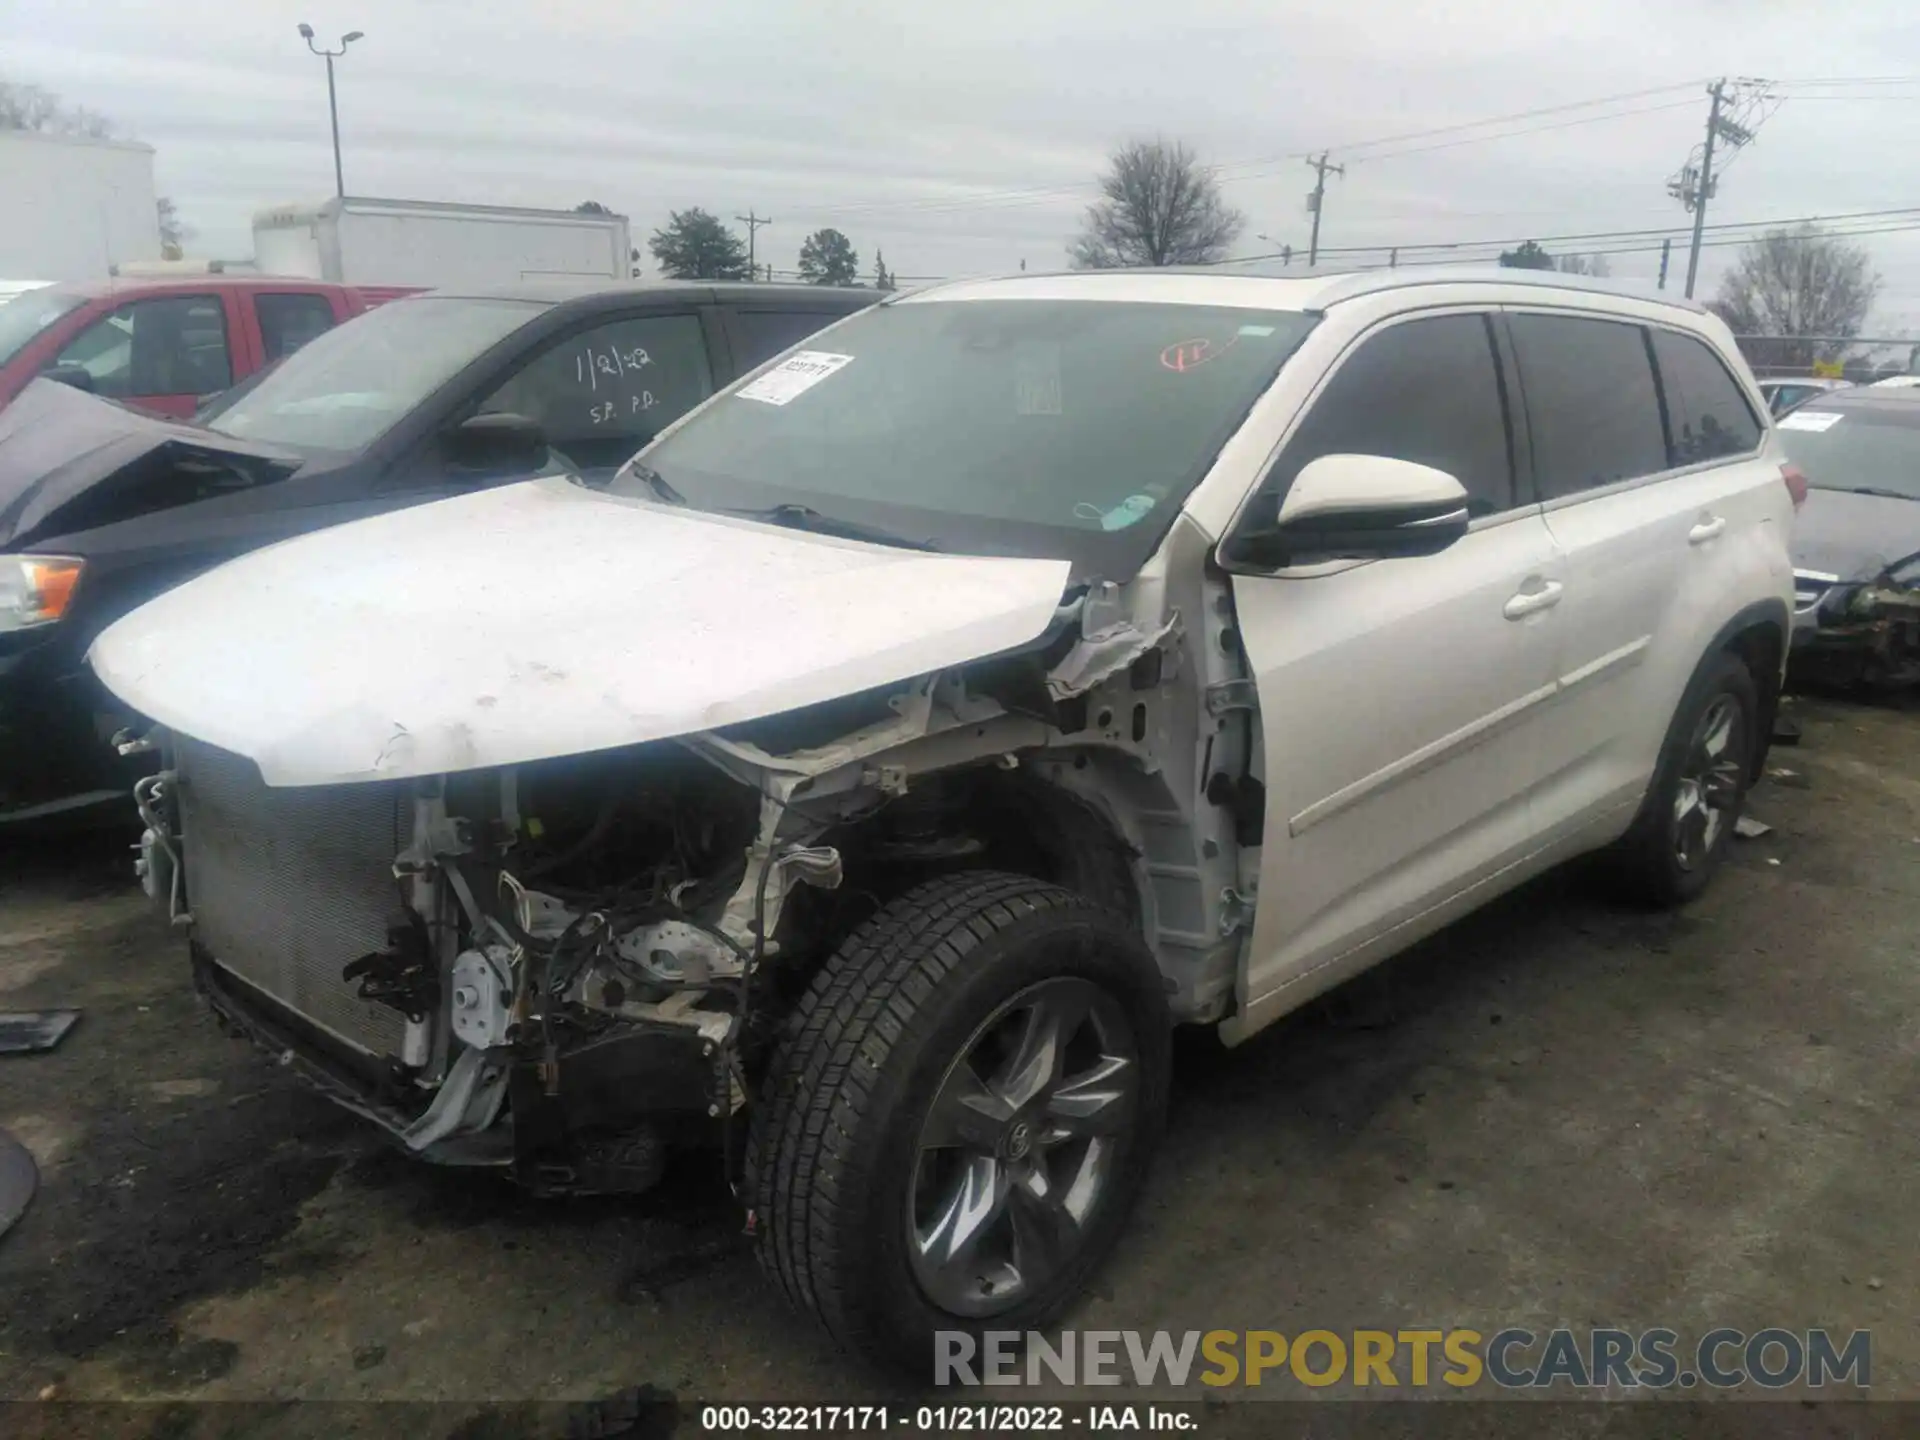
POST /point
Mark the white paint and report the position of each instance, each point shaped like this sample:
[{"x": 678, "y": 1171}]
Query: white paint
[
  {"x": 411, "y": 242},
  {"x": 544, "y": 619},
  {"x": 793, "y": 377},
  {"x": 1818, "y": 421},
  {"x": 1337, "y": 484},
  {"x": 71, "y": 209}
]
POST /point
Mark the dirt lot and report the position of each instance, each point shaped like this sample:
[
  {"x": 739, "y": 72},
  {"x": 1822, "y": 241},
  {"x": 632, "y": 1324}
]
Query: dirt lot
[{"x": 1556, "y": 1113}]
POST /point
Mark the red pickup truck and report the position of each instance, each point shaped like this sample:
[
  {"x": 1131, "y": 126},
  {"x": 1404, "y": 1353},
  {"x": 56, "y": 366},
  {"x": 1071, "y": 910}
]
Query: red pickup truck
[{"x": 166, "y": 345}]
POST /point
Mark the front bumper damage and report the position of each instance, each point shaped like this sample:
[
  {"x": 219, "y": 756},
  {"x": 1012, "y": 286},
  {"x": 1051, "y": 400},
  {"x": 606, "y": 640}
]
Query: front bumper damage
[{"x": 1866, "y": 633}]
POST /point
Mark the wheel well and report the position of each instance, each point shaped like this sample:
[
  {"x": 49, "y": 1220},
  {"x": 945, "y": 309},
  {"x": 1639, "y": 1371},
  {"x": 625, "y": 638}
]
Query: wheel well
[{"x": 1761, "y": 648}]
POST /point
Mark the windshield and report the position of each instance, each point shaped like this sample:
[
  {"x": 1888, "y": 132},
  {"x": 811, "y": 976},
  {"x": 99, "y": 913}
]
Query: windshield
[
  {"x": 1866, "y": 447},
  {"x": 26, "y": 315},
  {"x": 345, "y": 389},
  {"x": 1061, "y": 428}
]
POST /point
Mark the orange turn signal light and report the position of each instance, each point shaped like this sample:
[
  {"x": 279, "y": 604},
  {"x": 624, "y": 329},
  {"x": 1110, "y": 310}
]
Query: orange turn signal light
[{"x": 51, "y": 581}]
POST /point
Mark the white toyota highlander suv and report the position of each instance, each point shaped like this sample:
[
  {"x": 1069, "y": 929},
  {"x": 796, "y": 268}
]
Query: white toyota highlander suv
[{"x": 869, "y": 777}]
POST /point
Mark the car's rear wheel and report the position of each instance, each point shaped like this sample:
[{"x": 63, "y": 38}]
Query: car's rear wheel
[
  {"x": 960, "y": 1115},
  {"x": 1681, "y": 835}
]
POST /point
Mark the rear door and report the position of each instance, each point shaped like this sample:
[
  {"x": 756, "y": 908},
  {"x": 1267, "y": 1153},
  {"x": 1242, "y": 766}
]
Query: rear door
[
  {"x": 165, "y": 353},
  {"x": 1641, "y": 445},
  {"x": 1400, "y": 700}
]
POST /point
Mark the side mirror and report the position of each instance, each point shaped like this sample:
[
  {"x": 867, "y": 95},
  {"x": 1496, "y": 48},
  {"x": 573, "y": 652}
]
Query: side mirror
[
  {"x": 78, "y": 376},
  {"x": 495, "y": 446},
  {"x": 1353, "y": 507}
]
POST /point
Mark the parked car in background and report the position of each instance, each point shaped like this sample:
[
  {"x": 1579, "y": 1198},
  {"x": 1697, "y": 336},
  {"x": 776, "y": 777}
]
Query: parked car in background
[
  {"x": 1783, "y": 394},
  {"x": 904, "y": 739},
  {"x": 1898, "y": 382},
  {"x": 1856, "y": 546},
  {"x": 165, "y": 345},
  {"x": 10, "y": 288},
  {"x": 102, "y": 508}
]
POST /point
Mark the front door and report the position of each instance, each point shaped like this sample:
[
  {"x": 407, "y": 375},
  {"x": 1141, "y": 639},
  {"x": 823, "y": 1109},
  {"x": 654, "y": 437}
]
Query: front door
[
  {"x": 166, "y": 354},
  {"x": 1400, "y": 700}
]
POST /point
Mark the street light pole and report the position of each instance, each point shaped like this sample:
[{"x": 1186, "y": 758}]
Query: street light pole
[{"x": 333, "y": 103}]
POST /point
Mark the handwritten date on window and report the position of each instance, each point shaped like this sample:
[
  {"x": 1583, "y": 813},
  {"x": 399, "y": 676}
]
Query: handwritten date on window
[{"x": 590, "y": 366}]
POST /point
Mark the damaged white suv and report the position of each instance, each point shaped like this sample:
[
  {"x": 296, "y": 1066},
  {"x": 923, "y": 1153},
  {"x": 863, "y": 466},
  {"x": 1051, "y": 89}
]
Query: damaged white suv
[{"x": 872, "y": 774}]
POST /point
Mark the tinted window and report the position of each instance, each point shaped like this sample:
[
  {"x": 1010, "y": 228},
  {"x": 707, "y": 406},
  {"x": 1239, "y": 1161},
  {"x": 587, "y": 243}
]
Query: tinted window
[
  {"x": 1591, "y": 406},
  {"x": 172, "y": 346},
  {"x": 759, "y": 335},
  {"x": 602, "y": 394},
  {"x": 348, "y": 387},
  {"x": 289, "y": 321},
  {"x": 1060, "y": 428},
  {"x": 1424, "y": 390},
  {"x": 1707, "y": 417}
]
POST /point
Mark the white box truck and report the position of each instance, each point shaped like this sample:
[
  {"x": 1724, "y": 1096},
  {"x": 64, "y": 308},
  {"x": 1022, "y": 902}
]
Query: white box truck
[
  {"x": 73, "y": 209},
  {"x": 355, "y": 241}
]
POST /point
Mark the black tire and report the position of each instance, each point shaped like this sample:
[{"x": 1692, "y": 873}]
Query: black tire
[
  {"x": 836, "y": 1150},
  {"x": 1647, "y": 864}
]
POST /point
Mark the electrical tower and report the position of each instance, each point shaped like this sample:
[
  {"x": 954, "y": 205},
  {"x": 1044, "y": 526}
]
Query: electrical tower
[
  {"x": 1316, "y": 199},
  {"x": 1740, "y": 107},
  {"x": 753, "y": 223}
]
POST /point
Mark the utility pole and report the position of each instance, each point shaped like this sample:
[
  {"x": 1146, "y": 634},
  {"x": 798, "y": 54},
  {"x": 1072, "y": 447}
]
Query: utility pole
[
  {"x": 1666, "y": 254},
  {"x": 753, "y": 223},
  {"x": 1316, "y": 202},
  {"x": 1696, "y": 184},
  {"x": 1706, "y": 184}
]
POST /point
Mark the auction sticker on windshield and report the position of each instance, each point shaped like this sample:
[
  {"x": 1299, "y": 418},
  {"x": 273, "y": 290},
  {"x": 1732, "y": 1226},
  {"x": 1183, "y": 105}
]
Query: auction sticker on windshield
[
  {"x": 1815, "y": 420},
  {"x": 793, "y": 377}
]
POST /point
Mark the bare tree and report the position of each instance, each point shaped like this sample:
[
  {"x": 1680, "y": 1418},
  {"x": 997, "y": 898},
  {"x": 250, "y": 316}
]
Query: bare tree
[
  {"x": 1160, "y": 207},
  {"x": 1797, "y": 284},
  {"x": 30, "y": 107}
]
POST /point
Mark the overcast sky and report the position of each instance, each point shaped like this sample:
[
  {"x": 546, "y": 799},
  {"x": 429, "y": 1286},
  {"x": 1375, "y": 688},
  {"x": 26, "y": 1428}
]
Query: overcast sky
[{"x": 927, "y": 129}]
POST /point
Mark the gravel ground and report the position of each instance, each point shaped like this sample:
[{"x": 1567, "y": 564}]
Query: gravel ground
[{"x": 1557, "y": 1112}]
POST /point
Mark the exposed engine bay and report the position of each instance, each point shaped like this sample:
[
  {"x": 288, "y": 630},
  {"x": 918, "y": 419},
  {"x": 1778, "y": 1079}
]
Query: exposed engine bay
[{"x": 603, "y": 948}]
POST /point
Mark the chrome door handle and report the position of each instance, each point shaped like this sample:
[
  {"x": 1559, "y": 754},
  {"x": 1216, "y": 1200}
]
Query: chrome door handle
[
  {"x": 1706, "y": 530},
  {"x": 1528, "y": 602}
]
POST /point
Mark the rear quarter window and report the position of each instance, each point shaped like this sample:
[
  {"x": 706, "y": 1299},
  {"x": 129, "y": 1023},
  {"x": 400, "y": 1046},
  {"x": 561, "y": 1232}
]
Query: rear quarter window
[
  {"x": 1707, "y": 416},
  {"x": 1592, "y": 407}
]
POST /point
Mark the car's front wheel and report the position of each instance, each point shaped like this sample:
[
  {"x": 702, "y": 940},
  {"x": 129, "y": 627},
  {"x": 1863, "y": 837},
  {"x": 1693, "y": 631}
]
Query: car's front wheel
[{"x": 960, "y": 1114}]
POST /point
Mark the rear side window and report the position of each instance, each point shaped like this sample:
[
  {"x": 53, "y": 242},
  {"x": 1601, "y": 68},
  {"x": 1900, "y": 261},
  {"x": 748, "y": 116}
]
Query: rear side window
[
  {"x": 759, "y": 335},
  {"x": 1707, "y": 417},
  {"x": 1423, "y": 390},
  {"x": 1592, "y": 409},
  {"x": 289, "y": 321}
]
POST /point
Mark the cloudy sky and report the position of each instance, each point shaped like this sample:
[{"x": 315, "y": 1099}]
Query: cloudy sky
[{"x": 963, "y": 138}]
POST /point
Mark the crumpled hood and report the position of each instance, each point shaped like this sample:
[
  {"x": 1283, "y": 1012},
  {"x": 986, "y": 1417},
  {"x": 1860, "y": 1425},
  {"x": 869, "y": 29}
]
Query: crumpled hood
[
  {"x": 544, "y": 619},
  {"x": 70, "y": 461},
  {"x": 1854, "y": 536}
]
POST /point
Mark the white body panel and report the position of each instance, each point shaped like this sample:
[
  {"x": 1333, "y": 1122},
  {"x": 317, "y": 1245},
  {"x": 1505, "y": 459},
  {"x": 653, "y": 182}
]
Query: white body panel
[
  {"x": 1432, "y": 730},
  {"x": 357, "y": 241},
  {"x": 73, "y": 209},
  {"x": 544, "y": 619}
]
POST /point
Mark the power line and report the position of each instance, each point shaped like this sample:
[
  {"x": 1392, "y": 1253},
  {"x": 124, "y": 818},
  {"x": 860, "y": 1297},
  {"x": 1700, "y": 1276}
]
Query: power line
[{"x": 1226, "y": 170}]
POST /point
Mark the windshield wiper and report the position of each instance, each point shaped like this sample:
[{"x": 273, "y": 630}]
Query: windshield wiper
[
  {"x": 1882, "y": 491},
  {"x": 656, "y": 482},
  {"x": 805, "y": 517}
]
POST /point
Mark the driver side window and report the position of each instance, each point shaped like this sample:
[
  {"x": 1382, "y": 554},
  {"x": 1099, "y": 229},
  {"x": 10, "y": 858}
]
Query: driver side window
[{"x": 1426, "y": 390}]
